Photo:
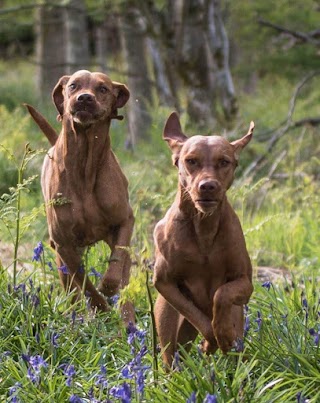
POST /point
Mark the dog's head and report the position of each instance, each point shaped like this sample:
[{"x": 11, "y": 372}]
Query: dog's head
[
  {"x": 206, "y": 163},
  {"x": 87, "y": 97}
]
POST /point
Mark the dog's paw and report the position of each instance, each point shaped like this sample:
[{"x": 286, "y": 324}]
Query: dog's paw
[
  {"x": 208, "y": 347},
  {"x": 99, "y": 303},
  {"x": 225, "y": 336},
  {"x": 109, "y": 288}
]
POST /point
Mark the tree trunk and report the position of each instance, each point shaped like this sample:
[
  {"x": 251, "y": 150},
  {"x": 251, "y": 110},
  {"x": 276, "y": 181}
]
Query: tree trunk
[
  {"x": 61, "y": 43},
  {"x": 50, "y": 48},
  {"x": 219, "y": 68},
  {"x": 140, "y": 102},
  {"x": 76, "y": 36}
]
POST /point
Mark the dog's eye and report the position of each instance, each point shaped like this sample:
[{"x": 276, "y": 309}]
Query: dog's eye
[
  {"x": 224, "y": 163},
  {"x": 72, "y": 86},
  {"x": 191, "y": 161},
  {"x": 103, "y": 90}
]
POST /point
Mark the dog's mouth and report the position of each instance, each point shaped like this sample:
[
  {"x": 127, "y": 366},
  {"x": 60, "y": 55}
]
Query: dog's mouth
[
  {"x": 206, "y": 205},
  {"x": 85, "y": 114},
  {"x": 207, "y": 202}
]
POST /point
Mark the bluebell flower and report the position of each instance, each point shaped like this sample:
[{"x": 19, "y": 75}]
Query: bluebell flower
[
  {"x": 316, "y": 335},
  {"x": 69, "y": 372},
  {"x": 33, "y": 376},
  {"x": 37, "y": 362},
  {"x": 122, "y": 392},
  {"x": 54, "y": 339},
  {"x": 101, "y": 379},
  {"x": 91, "y": 393},
  {"x": 304, "y": 302},
  {"x": 267, "y": 285},
  {"x": 114, "y": 299},
  {"x": 75, "y": 399},
  {"x": 94, "y": 272},
  {"x": 259, "y": 320},
  {"x": 126, "y": 372},
  {"x": 37, "y": 252},
  {"x": 210, "y": 398},
  {"x": 73, "y": 316},
  {"x": 140, "y": 381},
  {"x": 13, "y": 390},
  {"x": 50, "y": 266},
  {"x": 21, "y": 287},
  {"x": 176, "y": 361},
  {"x": 63, "y": 269},
  {"x": 135, "y": 333},
  {"x": 35, "y": 300},
  {"x": 192, "y": 398},
  {"x": 239, "y": 345}
]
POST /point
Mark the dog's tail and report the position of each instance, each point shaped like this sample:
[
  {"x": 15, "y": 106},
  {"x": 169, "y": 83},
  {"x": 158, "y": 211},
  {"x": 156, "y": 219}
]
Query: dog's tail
[{"x": 43, "y": 124}]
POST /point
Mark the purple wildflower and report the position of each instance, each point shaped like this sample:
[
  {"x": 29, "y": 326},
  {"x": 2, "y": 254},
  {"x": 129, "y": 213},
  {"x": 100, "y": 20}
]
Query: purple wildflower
[
  {"x": 34, "y": 378},
  {"x": 35, "y": 300},
  {"x": 75, "y": 399},
  {"x": 259, "y": 320},
  {"x": 305, "y": 303},
  {"x": 50, "y": 266},
  {"x": 54, "y": 339},
  {"x": 63, "y": 269},
  {"x": 192, "y": 398},
  {"x": 126, "y": 373},
  {"x": 176, "y": 361},
  {"x": 13, "y": 391},
  {"x": 94, "y": 272},
  {"x": 239, "y": 345},
  {"x": 36, "y": 362},
  {"x": 316, "y": 335},
  {"x": 140, "y": 380},
  {"x": 267, "y": 285},
  {"x": 73, "y": 316},
  {"x": 69, "y": 372},
  {"x": 122, "y": 392},
  {"x": 101, "y": 379},
  {"x": 37, "y": 252},
  {"x": 114, "y": 299},
  {"x": 210, "y": 398}
]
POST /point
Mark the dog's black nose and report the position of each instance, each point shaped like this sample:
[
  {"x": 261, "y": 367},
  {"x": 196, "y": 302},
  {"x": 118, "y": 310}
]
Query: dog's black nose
[
  {"x": 85, "y": 98},
  {"x": 208, "y": 185}
]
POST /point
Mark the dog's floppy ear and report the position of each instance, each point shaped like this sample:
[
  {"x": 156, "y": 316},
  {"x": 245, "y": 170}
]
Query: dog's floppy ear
[
  {"x": 238, "y": 145},
  {"x": 57, "y": 95},
  {"x": 172, "y": 134},
  {"x": 122, "y": 95}
]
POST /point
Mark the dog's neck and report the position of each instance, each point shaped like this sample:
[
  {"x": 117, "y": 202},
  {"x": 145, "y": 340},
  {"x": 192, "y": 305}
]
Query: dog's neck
[
  {"x": 83, "y": 149},
  {"x": 206, "y": 225}
]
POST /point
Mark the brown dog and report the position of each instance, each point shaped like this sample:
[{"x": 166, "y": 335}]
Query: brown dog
[
  {"x": 85, "y": 191},
  {"x": 202, "y": 269}
]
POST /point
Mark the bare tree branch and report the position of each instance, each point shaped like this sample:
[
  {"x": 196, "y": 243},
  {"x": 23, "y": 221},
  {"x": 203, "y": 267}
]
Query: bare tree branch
[
  {"x": 286, "y": 126},
  {"x": 312, "y": 37}
]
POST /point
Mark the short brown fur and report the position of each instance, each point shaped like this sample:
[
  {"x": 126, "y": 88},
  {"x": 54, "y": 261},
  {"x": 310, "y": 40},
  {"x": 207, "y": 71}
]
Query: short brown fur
[
  {"x": 202, "y": 269},
  {"x": 85, "y": 191}
]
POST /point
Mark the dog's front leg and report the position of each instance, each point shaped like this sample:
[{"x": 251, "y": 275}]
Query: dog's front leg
[
  {"x": 118, "y": 274},
  {"x": 170, "y": 291},
  {"x": 228, "y": 311},
  {"x": 77, "y": 276}
]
